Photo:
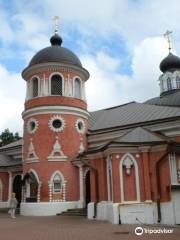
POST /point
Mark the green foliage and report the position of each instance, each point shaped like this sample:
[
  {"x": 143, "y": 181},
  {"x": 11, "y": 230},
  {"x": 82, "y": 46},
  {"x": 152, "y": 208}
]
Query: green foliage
[{"x": 7, "y": 137}]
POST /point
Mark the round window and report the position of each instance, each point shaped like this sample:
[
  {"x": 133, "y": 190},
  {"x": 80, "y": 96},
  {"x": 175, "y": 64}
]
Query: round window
[
  {"x": 32, "y": 125},
  {"x": 56, "y": 123},
  {"x": 80, "y": 125}
]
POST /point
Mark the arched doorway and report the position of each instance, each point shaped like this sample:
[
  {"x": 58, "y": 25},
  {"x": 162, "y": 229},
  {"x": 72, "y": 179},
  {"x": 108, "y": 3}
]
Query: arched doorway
[
  {"x": 30, "y": 184},
  {"x": 88, "y": 187},
  {"x": 17, "y": 188}
]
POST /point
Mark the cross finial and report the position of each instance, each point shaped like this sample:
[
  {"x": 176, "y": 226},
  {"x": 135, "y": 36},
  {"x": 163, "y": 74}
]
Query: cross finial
[
  {"x": 56, "y": 23},
  {"x": 168, "y": 36}
]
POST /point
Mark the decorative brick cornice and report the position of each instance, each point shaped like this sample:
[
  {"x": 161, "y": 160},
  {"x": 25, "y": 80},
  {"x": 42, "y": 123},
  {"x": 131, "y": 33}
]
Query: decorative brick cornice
[
  {"x": 53, "y": 66},
  {"x": 55, "y": 110}
]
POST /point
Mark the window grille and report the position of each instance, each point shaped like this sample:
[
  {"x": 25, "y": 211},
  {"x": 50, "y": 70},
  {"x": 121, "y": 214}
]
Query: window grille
[
  {"x": 35, "y": 87},
  {"x": 56, "y": 85},
  {"x": 77, "y": 88},
  {"x": 57, "y": 183}
]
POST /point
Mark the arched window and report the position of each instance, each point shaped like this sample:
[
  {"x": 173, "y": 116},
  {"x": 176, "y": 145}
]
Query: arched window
[
  {"x": 77, "y": 88},
  {"x": 1, "y": 190},
  {"x": 169, "y": 84},
  {"x": 177, "y": 82},
  {"x": 57, "y": 183},
  {"x": 35, "y": 87},
  {"x": 129, "y": 176},
  {"x": 56, "y": 85},
  {"x": 31, "y": 186}
]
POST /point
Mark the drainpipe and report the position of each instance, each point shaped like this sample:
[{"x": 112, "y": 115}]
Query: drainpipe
[
  {"x": 158, "y": 198},
  {"x": 96, "y": 184}
]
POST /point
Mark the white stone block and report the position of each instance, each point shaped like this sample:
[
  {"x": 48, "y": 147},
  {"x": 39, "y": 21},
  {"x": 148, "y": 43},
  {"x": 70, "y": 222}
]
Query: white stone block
[
  {"x": 91, "y": 210},
  {"x": 46, "y": 208}
]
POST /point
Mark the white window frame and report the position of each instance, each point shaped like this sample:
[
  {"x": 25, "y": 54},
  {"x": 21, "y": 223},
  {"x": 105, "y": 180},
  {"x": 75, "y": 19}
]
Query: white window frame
[
  {"x": 81, "y": 89},
  {"x": 173, "y": 169},
  {"x": 109, "y": 179},
  {"x": 136, "y": 177},
  {"x": 31, "y": 86},
  {"x": 52, "y": 181},
  {"x": 50, "y": 77}
]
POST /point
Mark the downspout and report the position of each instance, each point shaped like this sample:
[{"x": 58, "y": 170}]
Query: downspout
[
  {"x": 158, "y": 198},
  {"x": 96, "y": 185}
]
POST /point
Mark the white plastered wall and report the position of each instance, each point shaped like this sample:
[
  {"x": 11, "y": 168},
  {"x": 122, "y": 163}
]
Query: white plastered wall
[{"x": 46, "y": 208}]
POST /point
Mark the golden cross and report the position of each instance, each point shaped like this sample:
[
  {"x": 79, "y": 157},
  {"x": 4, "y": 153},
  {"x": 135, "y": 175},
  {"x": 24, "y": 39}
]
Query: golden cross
[
  {"x": 56, "y": 23},
  {"x": 168, "y": 36}
]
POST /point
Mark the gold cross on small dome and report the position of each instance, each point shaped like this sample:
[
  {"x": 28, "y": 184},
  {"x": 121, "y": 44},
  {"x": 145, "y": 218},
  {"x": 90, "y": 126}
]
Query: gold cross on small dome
[
  {"x": 168, "y": 36},
  {"x": 56, "y": 23}
]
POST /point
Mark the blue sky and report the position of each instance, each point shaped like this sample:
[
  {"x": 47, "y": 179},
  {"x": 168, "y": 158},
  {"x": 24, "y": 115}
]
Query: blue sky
[{"x": 120, "y": 42}]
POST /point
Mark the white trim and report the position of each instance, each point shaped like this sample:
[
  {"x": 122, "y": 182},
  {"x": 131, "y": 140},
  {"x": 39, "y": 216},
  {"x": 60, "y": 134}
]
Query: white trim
[
  {"x": 30, "y": 95},
  {"x": 52, "y": 119},
  {"x": 31, "y": 153},
  {"x": 55, "y": 110},
  {"x": 50, "y": 76},
  {"x": 1, "y": 190},
  {"x": 57, "y": 158},
  {"x": 81, "y": 83},
  {"x": 109, "y": 178},
  {"x": 136, "y": 176},
  {"x": 80, "y": 120},
  {"x": 62, "y": 67},
  {"x": 10, "y": 185},
  {"x": 29, "y": 127},
  {"x": 164, "y": 81},
  {"x": 81, "y": 186},
  {"x": 57, "y": 172},
  {"x": 173, "y": 168}
]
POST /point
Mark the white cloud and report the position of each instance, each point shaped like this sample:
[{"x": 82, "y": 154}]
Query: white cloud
[
  {"x": 106, "y": 87},
  {"x": 137, "y": 23},
  {"x": 12, "y": 93}
]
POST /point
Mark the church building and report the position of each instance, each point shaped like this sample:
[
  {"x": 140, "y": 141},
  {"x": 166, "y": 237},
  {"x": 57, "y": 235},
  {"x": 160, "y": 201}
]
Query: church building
[{"x": 122, "y": 163}]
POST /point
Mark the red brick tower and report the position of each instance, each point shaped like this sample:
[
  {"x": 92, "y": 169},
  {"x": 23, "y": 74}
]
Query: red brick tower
[{"x": 55, "y": 125}]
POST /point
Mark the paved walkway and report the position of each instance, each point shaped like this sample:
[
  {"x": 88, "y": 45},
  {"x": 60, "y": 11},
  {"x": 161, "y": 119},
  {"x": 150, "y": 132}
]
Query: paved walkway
[{"x": 71, "y": 228}]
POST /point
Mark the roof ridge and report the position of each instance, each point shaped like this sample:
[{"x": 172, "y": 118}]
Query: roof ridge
[
  {"x": 155, "y": 136},
  {"x": 109, "y": 108}
]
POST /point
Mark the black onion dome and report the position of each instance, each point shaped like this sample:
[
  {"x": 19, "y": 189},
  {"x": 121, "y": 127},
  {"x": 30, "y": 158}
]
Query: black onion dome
[
  {"x": 171, "y": 62},
  {"x": 55, "y": 53}
]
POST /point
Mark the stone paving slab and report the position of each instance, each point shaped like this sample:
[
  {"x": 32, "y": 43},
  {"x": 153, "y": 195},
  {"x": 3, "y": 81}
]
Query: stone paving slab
[{"x": 72, "y": 228}]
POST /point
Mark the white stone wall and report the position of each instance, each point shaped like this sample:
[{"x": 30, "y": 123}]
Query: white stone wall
[
  {"x": 133, "y": 213},
  {"x": 137, "y": 213},
  {"x": 105, "y": 211},
  {"x": 3, "y": 204},
  {"x": 90, "y": 213},
  {"x": 167, "y": 213},
  {"x": 46, "y": 208}
]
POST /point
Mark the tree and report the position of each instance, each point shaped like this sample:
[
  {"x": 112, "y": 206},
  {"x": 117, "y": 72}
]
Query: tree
[{"x": 7, "y": 137}]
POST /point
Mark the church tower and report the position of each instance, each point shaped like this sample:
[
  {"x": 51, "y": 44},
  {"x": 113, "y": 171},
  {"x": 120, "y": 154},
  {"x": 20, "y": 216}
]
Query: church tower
[
  {"x": 55, "y": 125},
  {"x": 169, "y": 80},
  {"x": 170, "y": 66}
]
